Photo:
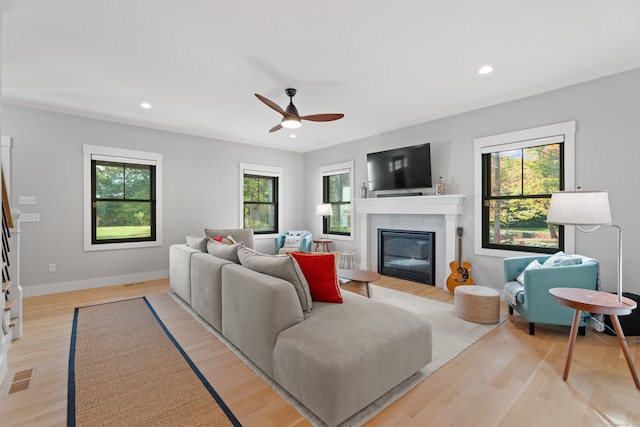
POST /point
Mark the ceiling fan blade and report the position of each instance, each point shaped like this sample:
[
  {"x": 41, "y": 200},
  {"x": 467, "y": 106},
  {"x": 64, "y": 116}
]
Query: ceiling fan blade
[
  {"x": 275, "y": 128},
  {"x": 322, "y": 117},
  {"x": 271, "y": 104}
]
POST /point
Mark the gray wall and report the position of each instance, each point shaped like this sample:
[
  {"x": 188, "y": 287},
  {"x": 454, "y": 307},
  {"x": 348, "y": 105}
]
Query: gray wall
[
  {"x": 200, "y": 189},
  {"x": 607, "y": 115},
  {"x": 200, "y": 180}
]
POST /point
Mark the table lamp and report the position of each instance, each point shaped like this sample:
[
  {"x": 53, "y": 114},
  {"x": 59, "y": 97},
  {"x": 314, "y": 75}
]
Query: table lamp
[
  {"x": 324, "y": 210},
  {"x": 585, "y": 209}
]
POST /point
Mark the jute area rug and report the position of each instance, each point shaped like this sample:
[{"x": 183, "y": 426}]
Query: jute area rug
[
  {"x": 125, "y": 369},
  {"x": 451, "y": 336}
]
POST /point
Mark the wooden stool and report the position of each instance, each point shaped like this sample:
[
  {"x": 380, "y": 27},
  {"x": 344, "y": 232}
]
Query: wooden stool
[
  {"x": 347, "y": 260},
  {"x": 477, "y": 304}
]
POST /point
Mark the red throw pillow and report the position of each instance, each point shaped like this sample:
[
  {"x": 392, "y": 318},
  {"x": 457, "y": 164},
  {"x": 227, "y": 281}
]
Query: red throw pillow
[
  {"x": 217, "y": 239},
  {"x": 320, "y": 271}
]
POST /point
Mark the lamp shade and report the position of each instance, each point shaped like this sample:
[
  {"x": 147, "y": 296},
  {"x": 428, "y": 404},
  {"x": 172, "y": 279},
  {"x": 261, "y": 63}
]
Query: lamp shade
[
  {"x": 579, "y": 208},
  {"x": 324, "y": 210}
]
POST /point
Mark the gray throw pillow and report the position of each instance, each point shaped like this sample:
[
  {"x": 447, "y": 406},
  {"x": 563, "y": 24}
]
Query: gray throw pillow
[
  {"x": 224, "y": 251},
  {"x": 197, "y": 242},
  {"x": 281, "y": 266}
]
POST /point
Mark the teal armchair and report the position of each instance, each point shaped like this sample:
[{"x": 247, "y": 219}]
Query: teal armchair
[
  {"x": 532, "y": 299},
  {"x": 290, "y": 241}
]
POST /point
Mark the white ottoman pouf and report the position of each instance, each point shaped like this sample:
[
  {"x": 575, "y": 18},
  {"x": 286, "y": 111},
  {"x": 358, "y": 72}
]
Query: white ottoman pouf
[{"x": 477, "y": 304}]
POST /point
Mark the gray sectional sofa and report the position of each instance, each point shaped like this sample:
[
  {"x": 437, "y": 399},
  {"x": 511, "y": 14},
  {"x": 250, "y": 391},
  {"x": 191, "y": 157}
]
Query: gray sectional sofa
[{"x": 334, "y": 358}]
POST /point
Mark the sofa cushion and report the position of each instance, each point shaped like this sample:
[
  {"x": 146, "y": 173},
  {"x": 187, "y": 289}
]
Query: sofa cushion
[
  {"x": 532, "y": 265},
  {"x": 197, "y": 242},
  {"x": 345, "y": 356},
  {"x": 292, "y": 241},
  {"x": 224, "y": 251},
  {"x": 239, "y": 235},
  {"x": 281, "y": 266},
  {"x": 320, "y": 271},
  {"x": 560, "y": 258}
]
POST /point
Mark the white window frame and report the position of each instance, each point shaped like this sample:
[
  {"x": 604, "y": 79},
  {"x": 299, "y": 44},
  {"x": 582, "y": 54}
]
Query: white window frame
[
  {"x": 522, "y": 139},
  {"x": 125, "y": 156},
  {"x": 336, "y": 169},
  {"x": 263, "y": 170}
]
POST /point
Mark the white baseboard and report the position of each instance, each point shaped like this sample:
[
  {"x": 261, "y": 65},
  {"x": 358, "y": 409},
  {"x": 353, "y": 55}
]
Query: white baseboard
[{"x": 54, "y": 288}]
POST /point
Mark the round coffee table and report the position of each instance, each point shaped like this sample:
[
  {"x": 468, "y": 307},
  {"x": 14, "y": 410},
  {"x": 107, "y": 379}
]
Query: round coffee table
[{"x": 359, "y": 277}]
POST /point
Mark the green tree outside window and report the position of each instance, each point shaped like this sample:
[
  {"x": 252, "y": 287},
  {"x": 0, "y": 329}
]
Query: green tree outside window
[
  {"x": 261, "y": 203},
  {"x": 337, "y": 192},
  {"x": 517, "y": 191},
  {"x": 123, "y": 202}
]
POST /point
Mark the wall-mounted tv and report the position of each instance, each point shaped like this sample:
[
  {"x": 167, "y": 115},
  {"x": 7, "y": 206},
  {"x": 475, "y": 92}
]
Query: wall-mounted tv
[{"x": 400, "y": 168}]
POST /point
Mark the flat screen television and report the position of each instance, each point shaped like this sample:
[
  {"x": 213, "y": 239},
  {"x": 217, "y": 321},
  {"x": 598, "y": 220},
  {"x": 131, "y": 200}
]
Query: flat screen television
[{"x": 400, "y": 168}]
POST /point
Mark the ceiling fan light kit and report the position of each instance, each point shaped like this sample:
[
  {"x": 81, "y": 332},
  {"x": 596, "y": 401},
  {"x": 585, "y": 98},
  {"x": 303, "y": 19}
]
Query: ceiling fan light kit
[
  {"x": 291, "y": 119},
  {"x": 291, "y": 122}
]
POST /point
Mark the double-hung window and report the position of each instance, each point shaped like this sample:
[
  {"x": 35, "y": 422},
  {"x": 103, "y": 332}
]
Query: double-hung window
[
  {"x": 337, "y": 190},
  {"x": 122, "y": 206},
  {"x": 261, "y": 198},
  {"x": 518, "y": 174}
]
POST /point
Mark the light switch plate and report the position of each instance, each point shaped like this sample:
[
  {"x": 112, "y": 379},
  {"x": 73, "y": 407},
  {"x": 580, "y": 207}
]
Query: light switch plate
[
  {"x": 27, "y": 200},
  {"x": 29, "y": 217}
]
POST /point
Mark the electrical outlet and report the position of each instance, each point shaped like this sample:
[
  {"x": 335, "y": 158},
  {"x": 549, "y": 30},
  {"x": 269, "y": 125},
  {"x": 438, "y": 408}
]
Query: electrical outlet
[
  {"x": 52, "y": 268},
  {"x": 30, "y": 217}
]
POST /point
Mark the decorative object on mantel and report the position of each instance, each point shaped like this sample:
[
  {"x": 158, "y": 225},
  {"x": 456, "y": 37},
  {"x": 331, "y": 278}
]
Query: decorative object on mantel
[
  {"x": 363, "y": 191},
  {"x": 440, "y": 187}
]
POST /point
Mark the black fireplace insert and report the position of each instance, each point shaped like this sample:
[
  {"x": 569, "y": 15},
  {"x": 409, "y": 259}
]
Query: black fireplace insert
[{"x": 407, "y": 254}]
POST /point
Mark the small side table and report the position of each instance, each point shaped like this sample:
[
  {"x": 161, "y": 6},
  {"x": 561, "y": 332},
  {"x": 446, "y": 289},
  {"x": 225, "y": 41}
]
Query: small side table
[
  {"x": 322, "y": 243},
  {"x": 601, "y": 303},
  {"x": 359, "y": 277}
]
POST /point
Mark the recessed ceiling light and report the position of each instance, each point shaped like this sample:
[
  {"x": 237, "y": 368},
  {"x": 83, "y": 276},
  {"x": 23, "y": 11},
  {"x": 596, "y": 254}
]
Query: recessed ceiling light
[
  {"x": 292, "y": 136},
  {"x": 485, "y": 69},
  {"x": 145, "y": 105}
]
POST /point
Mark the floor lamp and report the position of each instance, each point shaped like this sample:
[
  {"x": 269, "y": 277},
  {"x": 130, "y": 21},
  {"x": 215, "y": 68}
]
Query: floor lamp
[
  {"x": 324, "y": 210},
  {"x": 585, "y": 209},
  {"x": 590, "y": 209}
]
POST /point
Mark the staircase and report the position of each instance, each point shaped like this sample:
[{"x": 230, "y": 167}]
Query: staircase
[{"x": 11, "y": 305}]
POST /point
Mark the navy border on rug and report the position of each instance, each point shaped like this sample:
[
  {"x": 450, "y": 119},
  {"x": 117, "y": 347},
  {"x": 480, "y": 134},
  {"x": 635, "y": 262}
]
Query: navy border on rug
[{"x": 71, "y": 394}]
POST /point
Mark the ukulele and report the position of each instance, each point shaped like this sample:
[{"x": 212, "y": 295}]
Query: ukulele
[{"x": 459, "y": 269}]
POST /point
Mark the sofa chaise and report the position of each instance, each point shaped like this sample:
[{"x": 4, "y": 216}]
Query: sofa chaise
[{"x": 335, "y": 359}]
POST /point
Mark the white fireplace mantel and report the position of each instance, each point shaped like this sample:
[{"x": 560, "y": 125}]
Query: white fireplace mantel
[{"x": 449, "y": 205}]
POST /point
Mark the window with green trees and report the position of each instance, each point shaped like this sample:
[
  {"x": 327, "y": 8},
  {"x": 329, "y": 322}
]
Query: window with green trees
[
  {"x": 516, "y": 192},
  {"x": 337, "y": 192},
  {"x": 260, "y": 197},
  {"x": 123, "y": 202}
]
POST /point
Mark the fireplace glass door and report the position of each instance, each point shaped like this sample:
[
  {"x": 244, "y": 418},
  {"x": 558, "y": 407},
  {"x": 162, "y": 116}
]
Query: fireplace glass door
[{"x": 407, "y": 255}]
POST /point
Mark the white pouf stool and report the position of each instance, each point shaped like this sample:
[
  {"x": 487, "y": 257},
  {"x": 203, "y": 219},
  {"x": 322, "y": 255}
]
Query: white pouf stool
[{"x": 477, "y": 304}]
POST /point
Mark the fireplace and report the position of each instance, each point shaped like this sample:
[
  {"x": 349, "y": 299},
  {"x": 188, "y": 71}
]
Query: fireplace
[
  {"x": 407, "y": 254},
  {"x": 433, "y": 213}
]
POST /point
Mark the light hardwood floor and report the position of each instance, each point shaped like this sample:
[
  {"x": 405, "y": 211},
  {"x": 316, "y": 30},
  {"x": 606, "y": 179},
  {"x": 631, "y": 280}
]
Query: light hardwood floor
[{"x": 508, "y": 378}]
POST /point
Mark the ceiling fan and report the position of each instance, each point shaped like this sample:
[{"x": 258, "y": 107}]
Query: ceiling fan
[{"x": 290, "y": 117}]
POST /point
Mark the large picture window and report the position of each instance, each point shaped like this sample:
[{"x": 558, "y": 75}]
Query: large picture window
[
  {"x": 123, "y": 202},
  {"x": 122, "y": 197},
  {"x": 516, "y": 173},
  {"x": 337, "y": 190},
  {"x": 516, "y": 195}
]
